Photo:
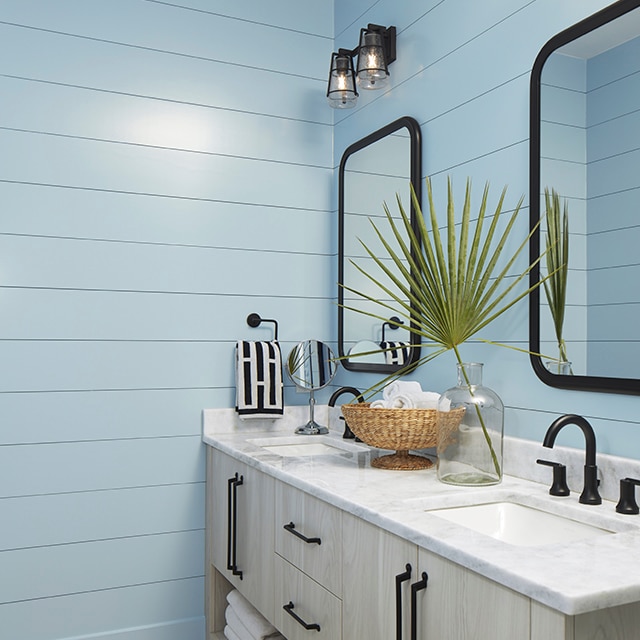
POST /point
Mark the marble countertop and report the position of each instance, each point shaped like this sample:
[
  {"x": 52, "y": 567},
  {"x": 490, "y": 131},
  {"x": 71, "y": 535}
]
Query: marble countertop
[{"x": 573, "y": 578}]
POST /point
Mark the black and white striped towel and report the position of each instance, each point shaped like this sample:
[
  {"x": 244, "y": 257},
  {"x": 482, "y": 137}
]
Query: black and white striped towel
[
  {"x": 396, "y": 352},
  {"x": 259, "y": 389}
]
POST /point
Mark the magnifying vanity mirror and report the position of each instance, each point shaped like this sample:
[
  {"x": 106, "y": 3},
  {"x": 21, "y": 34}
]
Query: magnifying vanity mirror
[
  {"x": 311, "y": 366},
  {"x": 585, "y": 144},
  {"x": 372, "y": 171}
]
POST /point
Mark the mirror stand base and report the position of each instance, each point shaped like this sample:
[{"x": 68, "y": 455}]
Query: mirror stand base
[{"x": 312, "y": 428}]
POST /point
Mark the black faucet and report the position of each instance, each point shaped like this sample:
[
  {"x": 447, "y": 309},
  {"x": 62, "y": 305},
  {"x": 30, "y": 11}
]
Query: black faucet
[
  {"x": 590, "y": 493},
  {"x": 332, "y": 403}
]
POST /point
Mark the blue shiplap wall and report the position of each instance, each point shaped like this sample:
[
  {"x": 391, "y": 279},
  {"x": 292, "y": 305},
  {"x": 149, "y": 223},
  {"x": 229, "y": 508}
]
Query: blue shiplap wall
[
  {"x": 613, "y": 141},
  {"x": 463, "y": 72},
  {"x": 165, "y": 169}
]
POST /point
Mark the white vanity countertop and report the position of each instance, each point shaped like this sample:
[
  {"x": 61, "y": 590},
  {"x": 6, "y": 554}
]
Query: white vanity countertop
[{"x": 573, "y": 578}]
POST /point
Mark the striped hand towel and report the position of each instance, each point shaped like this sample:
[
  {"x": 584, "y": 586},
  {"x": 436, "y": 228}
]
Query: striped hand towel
[{"x": 259, "y": 388}]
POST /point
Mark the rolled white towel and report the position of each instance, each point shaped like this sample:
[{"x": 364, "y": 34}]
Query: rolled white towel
[
  {"x": 229, "y": 633},
  {"x": 400, "y": 386},
  {"x": 444, "y": 404},
  {"x": 257, "y": 626},
  {"x": 379, "y": 404},
  {"x": 402, "y": 401}
]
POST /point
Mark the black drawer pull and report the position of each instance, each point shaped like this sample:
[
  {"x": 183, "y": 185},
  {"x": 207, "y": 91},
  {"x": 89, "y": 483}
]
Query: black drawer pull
[
  {"x": 289, "y": 609},
  {"x": 232, "y": 523},
  {"x": 400, "y": 578},
  {"x": 415, "y": 587},
  {"x": 291, "y": 528}
]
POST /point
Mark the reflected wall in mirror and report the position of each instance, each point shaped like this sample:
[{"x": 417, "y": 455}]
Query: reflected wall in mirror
[
  {"x": 311, "y": 365},
  {"x": 372, "y": 171},
  {"x": 585, "y": 144}
]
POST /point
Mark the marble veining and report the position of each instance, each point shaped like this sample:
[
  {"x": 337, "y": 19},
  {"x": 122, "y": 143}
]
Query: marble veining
[{"x": 573, "y": 578}]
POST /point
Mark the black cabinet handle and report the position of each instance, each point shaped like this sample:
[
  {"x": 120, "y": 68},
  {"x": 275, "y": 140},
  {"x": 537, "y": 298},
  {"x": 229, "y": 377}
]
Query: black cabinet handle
[
  {"x": 289, "y": 609},
  {"x": 232, "y": 522},
  {"x": 291, "y": 528},
  {"x": 415, "y": 587},
  {"x": 400, "y": 578}
]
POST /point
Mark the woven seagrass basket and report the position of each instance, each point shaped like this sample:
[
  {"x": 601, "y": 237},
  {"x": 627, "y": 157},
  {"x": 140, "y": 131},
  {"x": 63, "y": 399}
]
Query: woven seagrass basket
[{"x": 400, "y": 430}]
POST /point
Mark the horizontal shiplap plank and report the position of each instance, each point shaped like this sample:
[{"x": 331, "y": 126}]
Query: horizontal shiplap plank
[
  {"x": 54, "y": 57},
  {"x": 31, "y": 418},
  {"x": 74, "y": 111},
  {"x": 37, "y": 521},
  {"x": 113, "y": 315},
  {"x": 96, "y": 165},
  {"x": 81, "y": 213},
  {"x": 288, "y": 15},
  {"x": 85, "y": 264},
  {"x": 108, "y": 610},
  {"x": 90, "y": 566},
  {"x": 89, "y": 466},
  {"x": 166, "y": 28}
]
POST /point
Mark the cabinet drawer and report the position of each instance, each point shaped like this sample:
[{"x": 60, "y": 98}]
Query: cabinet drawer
[
  {"x": 309, "y": 602},
  {"x": 312, "y": 538}
]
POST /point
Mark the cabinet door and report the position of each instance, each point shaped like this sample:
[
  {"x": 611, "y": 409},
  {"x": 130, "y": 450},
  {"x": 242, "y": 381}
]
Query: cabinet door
[
  {"x": 253, "y": 533},
  {"x": 373, "y": 559},
  {"x": 459, "y": 604},
  {"x": 309, "y": 535}
]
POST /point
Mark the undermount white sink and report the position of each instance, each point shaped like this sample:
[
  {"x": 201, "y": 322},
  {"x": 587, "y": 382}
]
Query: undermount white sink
[
  {"x": 519, "y": 524},
  {"x": 300, "y": 445}
]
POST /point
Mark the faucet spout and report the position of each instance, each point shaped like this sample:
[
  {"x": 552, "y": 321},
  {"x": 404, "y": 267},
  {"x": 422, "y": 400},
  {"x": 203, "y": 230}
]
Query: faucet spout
[
  {"x": 332, "y": 403},
  {"x": 590, "y": 493}
]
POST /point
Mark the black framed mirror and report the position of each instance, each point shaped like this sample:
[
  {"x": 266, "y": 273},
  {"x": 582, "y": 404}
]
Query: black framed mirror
[
  {"x": 372, "y": 171},
  {"x": 585, "y": 145}
]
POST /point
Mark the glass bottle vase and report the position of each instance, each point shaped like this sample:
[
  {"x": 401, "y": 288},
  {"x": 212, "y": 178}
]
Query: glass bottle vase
[{"x": 470, "y": 452}]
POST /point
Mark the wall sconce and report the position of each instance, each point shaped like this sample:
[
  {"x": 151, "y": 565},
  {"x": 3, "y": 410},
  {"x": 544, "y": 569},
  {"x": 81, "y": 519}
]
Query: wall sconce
[{"x": 376, "y": 50}]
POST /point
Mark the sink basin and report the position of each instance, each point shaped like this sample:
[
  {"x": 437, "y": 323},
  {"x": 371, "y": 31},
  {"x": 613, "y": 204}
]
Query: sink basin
[
  {"x": 519, "y": 524},
  {"x": 297, "y": 446}
]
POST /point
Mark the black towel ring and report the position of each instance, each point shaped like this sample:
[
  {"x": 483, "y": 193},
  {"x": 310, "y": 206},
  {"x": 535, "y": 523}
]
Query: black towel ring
[
  {"x": 393, "y": 323},
  {"x": 254, "y": 320}
]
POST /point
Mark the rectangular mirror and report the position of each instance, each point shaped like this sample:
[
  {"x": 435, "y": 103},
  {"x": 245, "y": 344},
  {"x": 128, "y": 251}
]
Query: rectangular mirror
[
  {"x": 585, "y": 144},
  {"x": 372, "y": 171}
]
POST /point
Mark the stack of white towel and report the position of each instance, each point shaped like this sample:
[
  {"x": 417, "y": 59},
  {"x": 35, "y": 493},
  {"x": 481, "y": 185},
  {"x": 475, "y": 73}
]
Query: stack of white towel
[
  {"x": 244, "y": 622},
  {"x": 408, "y": 394}
]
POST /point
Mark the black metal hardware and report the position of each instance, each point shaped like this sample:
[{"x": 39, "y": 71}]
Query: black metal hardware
[
  {"x": 289, "y": 609},
  {"x": 589, "y": 493},
  {"x": 232, "y": 523},
  {"x": 254, "y": 320},
  {"x": 291, "y": 528},
  {"x": 415, "y": 587},
  {"x": 348, "y": 434},
  {"x": 393, "y": 323},
  {"x": 627, "y": 503},
  {"x": 400, "y": 578},
  {"x": 559, "y": 486}
]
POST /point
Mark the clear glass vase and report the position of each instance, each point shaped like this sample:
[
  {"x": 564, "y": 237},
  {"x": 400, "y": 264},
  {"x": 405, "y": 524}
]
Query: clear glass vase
[{"x": 470, "y": 452}]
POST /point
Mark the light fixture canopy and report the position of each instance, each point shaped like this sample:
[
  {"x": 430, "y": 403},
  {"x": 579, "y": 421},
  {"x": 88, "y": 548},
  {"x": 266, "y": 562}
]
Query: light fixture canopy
[
  {"x": 341, "y": 92},
  {"x": 376, "y": 50}
]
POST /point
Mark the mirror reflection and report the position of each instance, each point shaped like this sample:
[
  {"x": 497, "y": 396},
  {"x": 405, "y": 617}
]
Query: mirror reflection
[
  {"x": 373, "y": 171},
  {"x": 311, "y": 366},
  {"x": 586, "y": 127}
]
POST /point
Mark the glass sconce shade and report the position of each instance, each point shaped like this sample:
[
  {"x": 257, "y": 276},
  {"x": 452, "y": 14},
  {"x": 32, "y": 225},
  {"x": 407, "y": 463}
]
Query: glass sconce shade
[
  {"x": 372, "y": 64},
  {"x": 341, "y": 92}
]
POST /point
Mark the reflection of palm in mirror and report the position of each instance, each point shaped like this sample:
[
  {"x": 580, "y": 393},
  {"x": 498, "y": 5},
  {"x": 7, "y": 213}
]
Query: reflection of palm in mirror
[
  {"x": 589, "y": 137},
  {"x": 373, "y": 171}
]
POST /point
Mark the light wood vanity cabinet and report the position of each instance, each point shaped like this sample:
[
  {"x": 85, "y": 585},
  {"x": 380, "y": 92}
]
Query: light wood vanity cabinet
[
  {"x": 308, "y": 545},
  {"x": 346, "y": 584},
  {"x": 456, "y": 604},
  {"x": 241, "y": 529}
]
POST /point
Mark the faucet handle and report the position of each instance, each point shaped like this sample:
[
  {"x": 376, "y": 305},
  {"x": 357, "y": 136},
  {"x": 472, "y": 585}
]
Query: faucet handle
[
  {"x": 559, "y": 486},
  {"x": 627, "y": 502}
]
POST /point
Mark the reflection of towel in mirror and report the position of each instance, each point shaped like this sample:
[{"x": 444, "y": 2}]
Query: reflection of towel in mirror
[
  {"x": 259, "y": 389},
  {"x": 395, "y": 352},
  {"x": 246, "y": 621}
]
